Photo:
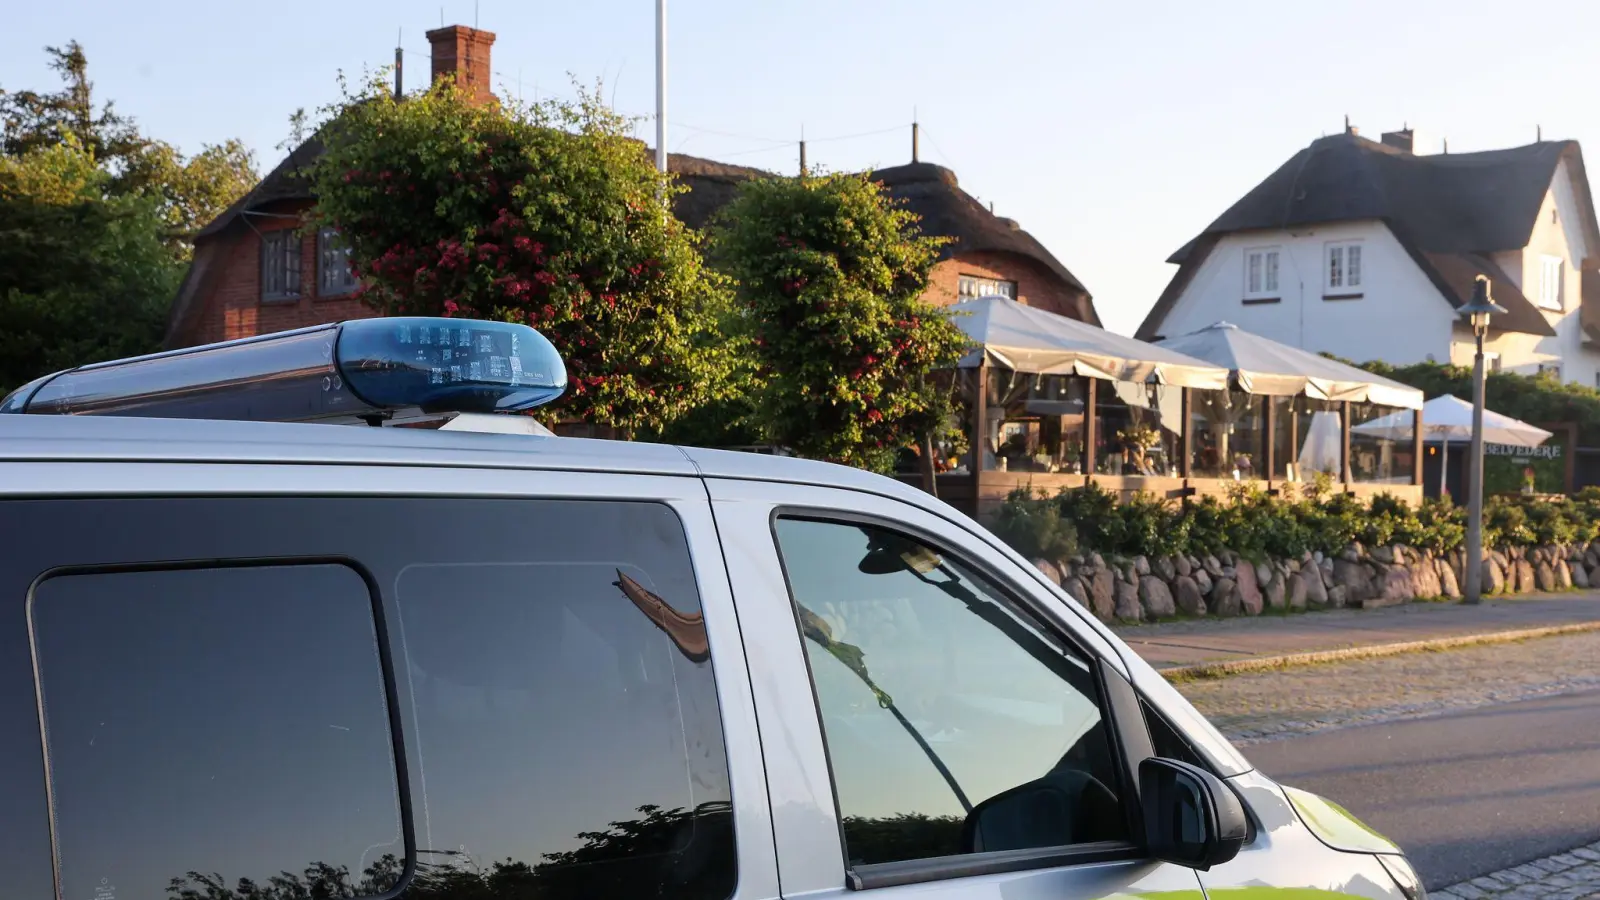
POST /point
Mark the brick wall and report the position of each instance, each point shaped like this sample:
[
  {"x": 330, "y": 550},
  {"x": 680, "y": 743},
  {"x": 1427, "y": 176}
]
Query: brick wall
[
  {"x": 1037, "y": 286},
  {"x": 234, "y": 308}
]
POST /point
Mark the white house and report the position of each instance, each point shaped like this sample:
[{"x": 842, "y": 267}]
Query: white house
[{"x": 1366, "y": 249}]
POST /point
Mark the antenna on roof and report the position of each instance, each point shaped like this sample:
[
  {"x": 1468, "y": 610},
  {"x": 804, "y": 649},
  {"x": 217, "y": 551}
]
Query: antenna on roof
[
  {"x": 1447, "y": 146},
  {"x": 915, "y": 134},
  {"x": 399, "y": 63},
  {"x": 1538, "y": 134},
  {"x": 802, "y": 150}
]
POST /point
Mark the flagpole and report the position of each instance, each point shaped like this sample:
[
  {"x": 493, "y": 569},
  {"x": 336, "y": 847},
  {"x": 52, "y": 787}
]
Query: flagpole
[{"x": 661, "y": 85}]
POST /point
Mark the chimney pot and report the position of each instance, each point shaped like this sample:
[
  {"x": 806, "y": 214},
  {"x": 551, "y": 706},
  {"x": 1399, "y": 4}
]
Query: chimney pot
[{"x": 463, "y": 54}]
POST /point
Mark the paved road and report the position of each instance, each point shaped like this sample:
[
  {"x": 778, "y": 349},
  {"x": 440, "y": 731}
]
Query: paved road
[
  {"x": 1465, "y": 793},
  {"x": 1209, "y": 640}
]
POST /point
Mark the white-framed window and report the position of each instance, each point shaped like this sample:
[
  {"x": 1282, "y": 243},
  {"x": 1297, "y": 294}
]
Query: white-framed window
[
  {"x": 333, "y": 265},
  {"x": 1261, "y": 273},
  {"x": 1553, "y": 368},
  {"x": 1345, "y": 273},
  {"x": 969, "y": 287},
  {"x": 1551, "y": 272}
]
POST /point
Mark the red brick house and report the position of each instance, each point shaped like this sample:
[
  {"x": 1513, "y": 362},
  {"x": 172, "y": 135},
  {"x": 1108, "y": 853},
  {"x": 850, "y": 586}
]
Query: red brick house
[{"x": 255, "y": 273}]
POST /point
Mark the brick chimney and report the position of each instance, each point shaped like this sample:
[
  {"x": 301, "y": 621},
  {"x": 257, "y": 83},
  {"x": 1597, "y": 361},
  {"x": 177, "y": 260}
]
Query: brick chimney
[
  {"x": 463, "y": 53},
  {"x": 1403, "y": 140}
]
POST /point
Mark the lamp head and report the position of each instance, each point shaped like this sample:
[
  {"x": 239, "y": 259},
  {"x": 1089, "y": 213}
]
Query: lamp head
[{"x": 1482, "y": 306}]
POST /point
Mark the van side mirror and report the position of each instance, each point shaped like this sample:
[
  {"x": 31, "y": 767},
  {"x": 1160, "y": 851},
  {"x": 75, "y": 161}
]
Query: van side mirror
[{"x": 1191, "y": 818}]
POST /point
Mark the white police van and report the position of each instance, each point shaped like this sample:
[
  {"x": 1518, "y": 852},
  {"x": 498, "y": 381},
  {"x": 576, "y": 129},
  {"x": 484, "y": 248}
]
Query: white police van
[{"x": 244, "y": 657}]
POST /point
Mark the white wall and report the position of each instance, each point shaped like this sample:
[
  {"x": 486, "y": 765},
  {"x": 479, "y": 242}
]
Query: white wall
[
  {"x": 1400, "y": 317},
  {"x": 1561, "y": 236}
]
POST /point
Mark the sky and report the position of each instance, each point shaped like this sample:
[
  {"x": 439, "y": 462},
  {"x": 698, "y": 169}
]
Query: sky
[{"x": 1114, "y": 132}]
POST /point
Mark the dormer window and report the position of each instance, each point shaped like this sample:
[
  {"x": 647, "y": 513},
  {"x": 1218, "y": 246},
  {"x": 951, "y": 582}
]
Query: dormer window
[{"x": 970, "y": 287}]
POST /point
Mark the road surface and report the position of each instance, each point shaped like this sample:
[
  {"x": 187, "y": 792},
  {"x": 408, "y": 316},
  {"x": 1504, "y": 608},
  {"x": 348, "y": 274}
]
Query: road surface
[{"x": 1465, "y": 793}]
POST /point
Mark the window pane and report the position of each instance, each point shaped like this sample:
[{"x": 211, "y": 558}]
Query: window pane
[
  {"x": 928, "y": 708},
  {"x": 1036, "y": 422},
  {"x": 333, "y": 263},
  {"x": 562, "y": 706},
  {"x": 1138, "y": 428},
  {"x": 1380, "y": 443},
  {"x": 1353, "y": 265},
  {"x": 1307, "y": 438},
  {"x": 1335, "y": 266},
  {"x": 237, "y": 715},
  {"x": 1229, "y": 435},
  {"x": 1272, "y": 271},
  {"x": 1253, "y": 282}
]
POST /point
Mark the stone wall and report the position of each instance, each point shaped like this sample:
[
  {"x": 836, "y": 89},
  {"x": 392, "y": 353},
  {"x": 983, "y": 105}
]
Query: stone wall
[{"x": 1141, "y": 589}]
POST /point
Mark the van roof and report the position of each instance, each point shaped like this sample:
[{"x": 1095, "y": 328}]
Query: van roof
[{"x": 46, "y": 438}]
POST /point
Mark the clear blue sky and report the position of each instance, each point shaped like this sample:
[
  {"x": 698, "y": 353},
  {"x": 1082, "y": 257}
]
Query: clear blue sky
[{"x": 1113, "y": 132}]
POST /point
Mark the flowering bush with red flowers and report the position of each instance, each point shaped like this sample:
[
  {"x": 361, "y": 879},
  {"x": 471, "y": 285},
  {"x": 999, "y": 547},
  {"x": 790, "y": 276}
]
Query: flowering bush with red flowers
[
  {"x": 548, "y": 215},
  {"x": 830, "y": 279}
]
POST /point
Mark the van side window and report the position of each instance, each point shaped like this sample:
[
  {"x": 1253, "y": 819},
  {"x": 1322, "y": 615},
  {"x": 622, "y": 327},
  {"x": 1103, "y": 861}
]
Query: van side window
[
  {"x": 562, "y": 706},
  {"x": 954, "y": 722},
  {"x": 216, "y": 720}
]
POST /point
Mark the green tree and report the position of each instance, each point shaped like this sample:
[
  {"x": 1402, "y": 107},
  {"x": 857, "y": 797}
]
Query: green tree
[
  {"x": 83, "y": 276},
  {"x": 34, "y": 120},
  {"x": 549, "y": 215},
  {"x": 188, "y": 192},
  {"x": 831, "y": 276}
]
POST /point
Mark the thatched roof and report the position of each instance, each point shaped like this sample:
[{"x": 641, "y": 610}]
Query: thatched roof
[
  {"x": 928, "y": 190},
  {"x": 1450, "y": 211}
]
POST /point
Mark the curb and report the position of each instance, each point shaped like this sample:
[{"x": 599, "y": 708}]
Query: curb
[
  {"x": 1574, "y": 873},
  {"x": 1225, "y": 668}
]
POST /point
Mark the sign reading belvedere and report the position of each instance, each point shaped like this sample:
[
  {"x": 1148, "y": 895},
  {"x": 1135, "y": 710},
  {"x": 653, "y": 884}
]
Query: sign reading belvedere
[{"x": 1509, "y": 468}]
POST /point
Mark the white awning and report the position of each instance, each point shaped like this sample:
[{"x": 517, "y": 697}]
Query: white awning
[
  {"x": 1259, "y": 365},
  {"x": 1023, "y": 339},
  {"x": 1449, "y": 418}
]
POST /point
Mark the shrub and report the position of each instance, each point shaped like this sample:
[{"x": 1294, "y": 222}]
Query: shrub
[
  {"x": 1259, "y": 526},
  {"x": 1032, "y": 525}
]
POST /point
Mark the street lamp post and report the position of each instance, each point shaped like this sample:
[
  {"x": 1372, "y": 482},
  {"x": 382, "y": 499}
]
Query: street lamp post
[{"x": 1477, "y": 312}]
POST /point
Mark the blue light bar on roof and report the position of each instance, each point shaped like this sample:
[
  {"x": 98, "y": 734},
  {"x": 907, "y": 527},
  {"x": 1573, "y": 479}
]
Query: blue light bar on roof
[{"x": 363, "y": 370}]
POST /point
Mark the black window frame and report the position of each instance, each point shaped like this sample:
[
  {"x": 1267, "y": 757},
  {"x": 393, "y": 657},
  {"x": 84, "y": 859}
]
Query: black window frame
[
  {"x": 375, "y": 598},
  {"x": 280, "y": 266},
  {"x": 330, "y": 248},
  {"x": 1126, "y": 729}
]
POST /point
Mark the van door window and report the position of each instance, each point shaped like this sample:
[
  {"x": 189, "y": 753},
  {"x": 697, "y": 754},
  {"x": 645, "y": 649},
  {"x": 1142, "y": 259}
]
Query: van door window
[
  {"x": 954, "y": 722},
  {"x": 216, "y": 720}
]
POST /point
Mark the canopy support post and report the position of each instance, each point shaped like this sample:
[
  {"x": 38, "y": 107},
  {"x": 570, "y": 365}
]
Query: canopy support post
[
  {"x": 980, "y": 425},
  {"x": 1271, "y": 422},
  {"x": 1187, "y": 452},
  {"x": 1416, "y": 448},
  {"x": 1089, "y": 428},
  {"x": 1444, "y": 465},
  {"x": 1345, "y": 462}
]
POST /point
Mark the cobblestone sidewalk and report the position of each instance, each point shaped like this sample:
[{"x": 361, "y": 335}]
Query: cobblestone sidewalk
[
  {"x": 1271, "y": 705},
  {"x": 1194, "y": 641},
  {"x": 1574, "y": 875}
]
